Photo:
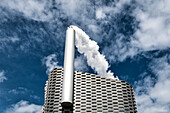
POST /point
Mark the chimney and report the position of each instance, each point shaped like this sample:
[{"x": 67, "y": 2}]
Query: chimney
[{"x": 67, "y": 88}]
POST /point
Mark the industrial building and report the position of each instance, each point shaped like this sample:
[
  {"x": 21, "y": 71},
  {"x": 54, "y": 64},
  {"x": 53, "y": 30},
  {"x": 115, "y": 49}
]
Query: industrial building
[
  {"x": 92, "y": 94},
  {"x": 69, "y": 91}
]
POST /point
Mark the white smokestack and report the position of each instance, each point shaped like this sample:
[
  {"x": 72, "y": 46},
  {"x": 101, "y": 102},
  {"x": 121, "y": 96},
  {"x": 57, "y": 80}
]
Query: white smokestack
[
  {"x": 67, "y": 90},
  {"x": 90, "y": 49}
]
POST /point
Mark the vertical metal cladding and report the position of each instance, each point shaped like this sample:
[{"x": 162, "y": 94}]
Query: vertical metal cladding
[{"x": 67, "y": 90}]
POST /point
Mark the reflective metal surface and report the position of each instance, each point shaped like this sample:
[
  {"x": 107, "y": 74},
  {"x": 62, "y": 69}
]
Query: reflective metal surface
[{"x": 67, "y": 89}]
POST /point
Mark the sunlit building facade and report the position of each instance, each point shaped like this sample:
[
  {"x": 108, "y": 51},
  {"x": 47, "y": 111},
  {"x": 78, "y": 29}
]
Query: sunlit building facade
[{"x": 92, "y": 94}]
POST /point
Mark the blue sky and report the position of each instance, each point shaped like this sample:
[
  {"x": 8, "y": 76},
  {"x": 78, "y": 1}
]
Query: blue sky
[{"x": 133, "y": 35}]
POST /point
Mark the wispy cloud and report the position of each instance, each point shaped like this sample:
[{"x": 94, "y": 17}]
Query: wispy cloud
[
  {"x": 18, "y": 90},
  {"x": 119, "y": 49},
  {"x": 154, "y": 25},
  {"x": 115, "y": 7},
  {"x": 6, "y": 41},
  {"x": 51, "y": 62},
  {"x": 34, "y": 9},
  {"x": 94, "y": 16},
  {"x": 2, "y": 76},
  {"x": 151, "y": 31},
  {"x": 152, "y": 93},
  {"x": 24, "y": 107},
  {"x": 9, "y": 39}
]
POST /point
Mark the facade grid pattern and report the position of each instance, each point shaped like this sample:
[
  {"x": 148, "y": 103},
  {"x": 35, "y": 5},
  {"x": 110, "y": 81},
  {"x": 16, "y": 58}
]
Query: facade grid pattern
[{"x": 92, "y": 94}]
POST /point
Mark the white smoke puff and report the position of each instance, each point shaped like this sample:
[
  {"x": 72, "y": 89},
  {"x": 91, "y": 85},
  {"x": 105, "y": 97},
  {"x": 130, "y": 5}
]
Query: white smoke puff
[{"x": 90, "y": 49}]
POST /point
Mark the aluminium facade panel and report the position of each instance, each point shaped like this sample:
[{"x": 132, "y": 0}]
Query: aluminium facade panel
[{"x": 92, "y": 94}]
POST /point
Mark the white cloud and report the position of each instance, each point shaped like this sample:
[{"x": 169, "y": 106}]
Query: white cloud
[
  {"x": 34, "y": 9},
  {"x": 119, "y": 50},
  {"x": 84, "y": 13},
  {"x": 153, "y": 32},
  {"x": 51, "y": 62},
  {"x": 24, "y": 107},
  {"x": 154, "y": 97},
  {"x": 78, "y": 8},
  {"x": 94, "y": 28},
  {"x": 101, "y": 12},
  {"x": 2, "y": 76},
  {"x": 116, "y": 7},
  {"x": 154, "y": 26},
  {"x": 73, "y": 7}
]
